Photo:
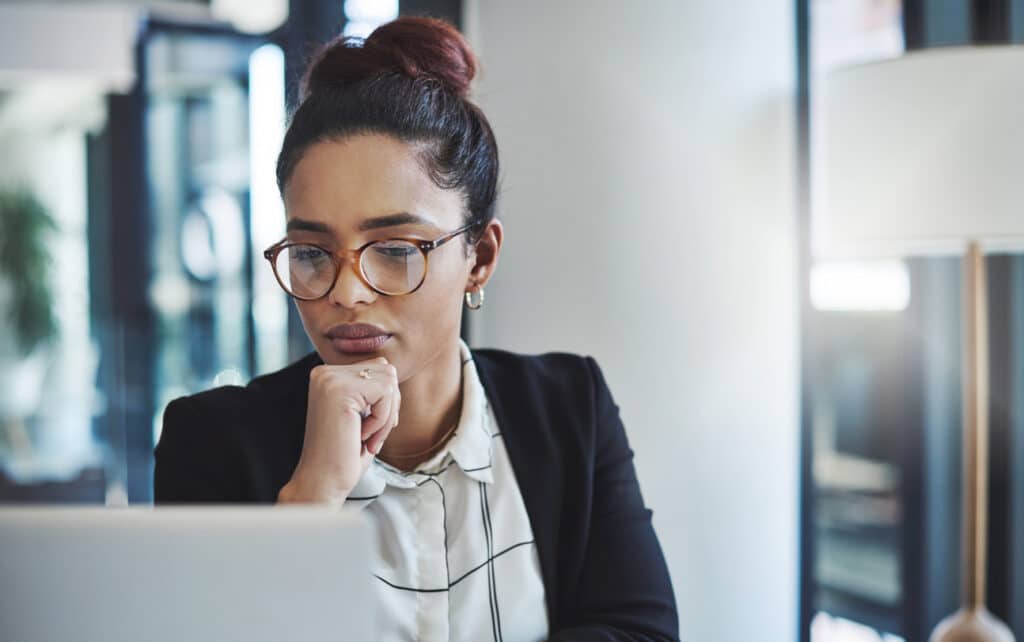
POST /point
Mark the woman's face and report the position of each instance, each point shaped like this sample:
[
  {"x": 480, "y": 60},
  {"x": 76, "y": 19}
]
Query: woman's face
[{"x": 346, "y": 193}]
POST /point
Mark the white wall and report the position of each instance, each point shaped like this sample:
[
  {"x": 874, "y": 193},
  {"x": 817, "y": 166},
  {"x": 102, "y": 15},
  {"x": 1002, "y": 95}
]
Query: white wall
[{"x": 648, "y": 162}]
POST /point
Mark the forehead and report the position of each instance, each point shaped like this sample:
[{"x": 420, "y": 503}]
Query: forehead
[{"x": 343, "y": 182}]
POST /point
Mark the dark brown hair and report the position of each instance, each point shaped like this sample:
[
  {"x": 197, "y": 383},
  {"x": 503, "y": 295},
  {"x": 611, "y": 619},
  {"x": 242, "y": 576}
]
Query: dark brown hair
[{"x": 408, "y": 79}]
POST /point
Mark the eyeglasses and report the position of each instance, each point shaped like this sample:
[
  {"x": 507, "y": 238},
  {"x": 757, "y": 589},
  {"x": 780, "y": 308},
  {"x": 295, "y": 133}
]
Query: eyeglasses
[{"x": 392, "y": 267}]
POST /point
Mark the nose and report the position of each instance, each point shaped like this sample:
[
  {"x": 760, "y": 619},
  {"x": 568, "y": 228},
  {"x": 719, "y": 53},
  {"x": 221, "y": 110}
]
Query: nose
[{"x": 349, "y": 289}]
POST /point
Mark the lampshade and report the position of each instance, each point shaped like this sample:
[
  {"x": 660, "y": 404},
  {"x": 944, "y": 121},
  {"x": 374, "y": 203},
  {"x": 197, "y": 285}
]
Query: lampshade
[{"x": 920, "y": 154}]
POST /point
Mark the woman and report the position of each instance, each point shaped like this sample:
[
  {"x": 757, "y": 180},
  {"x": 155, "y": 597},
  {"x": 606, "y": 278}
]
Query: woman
[{"x": 502, "y": 485}]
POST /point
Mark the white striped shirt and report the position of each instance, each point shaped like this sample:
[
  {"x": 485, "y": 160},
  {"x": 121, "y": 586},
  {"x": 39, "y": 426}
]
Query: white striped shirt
[{"x": 456, "y": 560}]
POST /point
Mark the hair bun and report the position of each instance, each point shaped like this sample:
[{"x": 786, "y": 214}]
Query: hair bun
[{"x": 416, "y": 47}]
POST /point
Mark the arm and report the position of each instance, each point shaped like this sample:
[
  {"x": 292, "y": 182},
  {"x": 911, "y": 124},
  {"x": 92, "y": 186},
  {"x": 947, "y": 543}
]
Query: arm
[
  {"x": 624, "y": 591},
  {"x": 195, "y": 461}
]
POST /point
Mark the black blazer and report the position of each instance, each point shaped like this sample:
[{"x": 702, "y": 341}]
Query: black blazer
[{"x": 604, "y": 574}]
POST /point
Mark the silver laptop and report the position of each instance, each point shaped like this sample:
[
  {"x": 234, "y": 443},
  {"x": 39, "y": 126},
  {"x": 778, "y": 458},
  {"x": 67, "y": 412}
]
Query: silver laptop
[{"x": 166, "y": 574}]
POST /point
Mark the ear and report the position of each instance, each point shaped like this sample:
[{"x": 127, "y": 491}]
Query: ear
[{"x": 484, "y": 256}]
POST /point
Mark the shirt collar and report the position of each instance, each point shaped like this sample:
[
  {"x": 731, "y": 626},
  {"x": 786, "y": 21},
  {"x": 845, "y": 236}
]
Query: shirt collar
[{"x": 470, "y": 448}]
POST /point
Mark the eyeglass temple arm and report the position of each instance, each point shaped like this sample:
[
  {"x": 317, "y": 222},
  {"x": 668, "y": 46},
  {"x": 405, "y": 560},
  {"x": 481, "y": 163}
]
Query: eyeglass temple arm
[{"x": 433, "y": 245}]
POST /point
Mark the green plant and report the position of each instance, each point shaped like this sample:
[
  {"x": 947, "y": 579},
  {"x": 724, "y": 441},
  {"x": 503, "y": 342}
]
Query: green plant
[{"x": 25, "y": 264}]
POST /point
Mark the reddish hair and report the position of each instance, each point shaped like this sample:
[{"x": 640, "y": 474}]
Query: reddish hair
[
  {"x": 410, "y": 80},
  {"x": 413, "y": 46}
]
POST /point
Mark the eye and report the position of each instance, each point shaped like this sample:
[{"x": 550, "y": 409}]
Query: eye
[
  {"x": 395, "y": 250},
  {"x": 307, "y": 253}
]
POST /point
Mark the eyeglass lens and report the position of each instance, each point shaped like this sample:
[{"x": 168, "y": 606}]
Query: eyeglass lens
[{"x": 391, "y": 267}]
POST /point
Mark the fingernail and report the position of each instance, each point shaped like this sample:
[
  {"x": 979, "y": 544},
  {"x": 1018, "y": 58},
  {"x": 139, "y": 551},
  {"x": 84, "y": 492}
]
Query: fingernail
[{"x": 376, "y": 449}]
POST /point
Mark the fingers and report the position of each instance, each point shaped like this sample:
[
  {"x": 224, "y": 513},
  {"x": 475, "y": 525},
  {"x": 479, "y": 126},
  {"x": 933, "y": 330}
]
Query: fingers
[
  {"x": 384, "y": 414},
  {"x": 376, "y": 439},
  {"x": 394, "y": 411},
  {"x": 380, "y": 415},
  {"x": 375, "y": 442},
  {"x": 378, "y": 390},
  {"x": 366, "y": 458},
  {"x": 369, "y": 390},
  {"x": 381, "y": 422},
  {"x": 392, "y": 421}
]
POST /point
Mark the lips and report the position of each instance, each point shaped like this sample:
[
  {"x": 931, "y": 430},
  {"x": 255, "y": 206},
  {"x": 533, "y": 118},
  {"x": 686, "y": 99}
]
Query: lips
[
  {"x": 357, "y": 338},
  {"x": 355, "y": 331}
]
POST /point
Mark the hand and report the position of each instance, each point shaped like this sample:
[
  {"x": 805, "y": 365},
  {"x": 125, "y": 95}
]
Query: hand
[{"x": 348, "y": 418}]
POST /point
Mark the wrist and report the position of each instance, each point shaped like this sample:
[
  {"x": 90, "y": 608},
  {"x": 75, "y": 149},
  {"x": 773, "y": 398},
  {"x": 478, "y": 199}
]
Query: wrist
[{"x": 296, "y": 492}]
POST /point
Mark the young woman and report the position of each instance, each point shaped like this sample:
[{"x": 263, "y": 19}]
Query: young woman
[{"x": 502, "y": 485}]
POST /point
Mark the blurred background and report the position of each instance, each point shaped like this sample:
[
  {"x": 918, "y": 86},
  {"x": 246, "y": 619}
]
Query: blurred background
[{"x": 800, "y": 444}]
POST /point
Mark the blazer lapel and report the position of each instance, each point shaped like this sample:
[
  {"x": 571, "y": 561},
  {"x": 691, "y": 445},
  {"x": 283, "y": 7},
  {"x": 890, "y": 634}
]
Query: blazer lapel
[{"x": 527, "y": 437}]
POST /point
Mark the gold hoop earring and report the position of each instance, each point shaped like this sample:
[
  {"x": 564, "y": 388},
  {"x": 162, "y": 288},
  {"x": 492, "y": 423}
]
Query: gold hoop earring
[{"x": 480, "y": 301}]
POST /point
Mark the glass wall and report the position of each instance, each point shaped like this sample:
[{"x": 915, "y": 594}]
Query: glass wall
[
  {"x": 135, "y": 219},
  {"x": 208, "y": 229},
  {"x": 857, "y": 527},
  {"x": 48, "y": 354}
]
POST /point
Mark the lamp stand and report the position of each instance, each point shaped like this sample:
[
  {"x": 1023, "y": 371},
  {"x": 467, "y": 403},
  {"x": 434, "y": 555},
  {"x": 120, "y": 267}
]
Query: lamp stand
[{"x": 973, "y": 622}]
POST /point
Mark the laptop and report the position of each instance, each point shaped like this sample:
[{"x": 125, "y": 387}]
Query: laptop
[{"x": 196, "y": 574}]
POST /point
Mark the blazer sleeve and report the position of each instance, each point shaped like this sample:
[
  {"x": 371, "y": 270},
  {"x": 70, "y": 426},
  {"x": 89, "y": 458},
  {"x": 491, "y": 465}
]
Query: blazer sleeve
[
  {"x": 196, "y": 461},
  {"x": 624, "y": 591}
]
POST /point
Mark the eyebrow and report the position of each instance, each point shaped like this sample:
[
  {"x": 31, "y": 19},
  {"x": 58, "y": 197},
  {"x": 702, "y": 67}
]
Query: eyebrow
[
  {"x": 303, "y": 225},
  {"x": 391, "y": 220}
]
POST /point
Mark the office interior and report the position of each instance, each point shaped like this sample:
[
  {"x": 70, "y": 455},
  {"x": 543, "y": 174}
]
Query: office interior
[{"x": 796, "y": 423}]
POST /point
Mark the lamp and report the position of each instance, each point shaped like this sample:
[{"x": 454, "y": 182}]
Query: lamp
[{"x": 923, "y": 155}]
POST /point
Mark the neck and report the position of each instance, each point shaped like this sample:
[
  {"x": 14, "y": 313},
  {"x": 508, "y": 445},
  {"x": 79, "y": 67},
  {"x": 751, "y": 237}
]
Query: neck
[{"x": 431, "y": 405}]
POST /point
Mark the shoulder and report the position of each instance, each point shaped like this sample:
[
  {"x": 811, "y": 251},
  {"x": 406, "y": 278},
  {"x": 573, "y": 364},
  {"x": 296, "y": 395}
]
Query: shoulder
[
  {"x": 211, "y": 441},
  {"x": 209, "y": 423},
  {"x": 550, "y": 369},
  {"x": 560, "y": 383},
  {"x": 263, "y": 393},
  {"x": 229, "y": 414}
]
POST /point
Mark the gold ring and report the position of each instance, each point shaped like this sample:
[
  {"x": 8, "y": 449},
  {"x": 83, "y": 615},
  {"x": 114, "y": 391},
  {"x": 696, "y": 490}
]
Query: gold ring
[{"x": 365, "y": 373}]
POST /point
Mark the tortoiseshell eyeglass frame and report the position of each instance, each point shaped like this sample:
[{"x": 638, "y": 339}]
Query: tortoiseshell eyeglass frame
[{"x": 355, "y": 259}]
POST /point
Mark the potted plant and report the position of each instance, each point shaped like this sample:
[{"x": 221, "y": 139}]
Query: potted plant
[{"x": 28, "y": 324}]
